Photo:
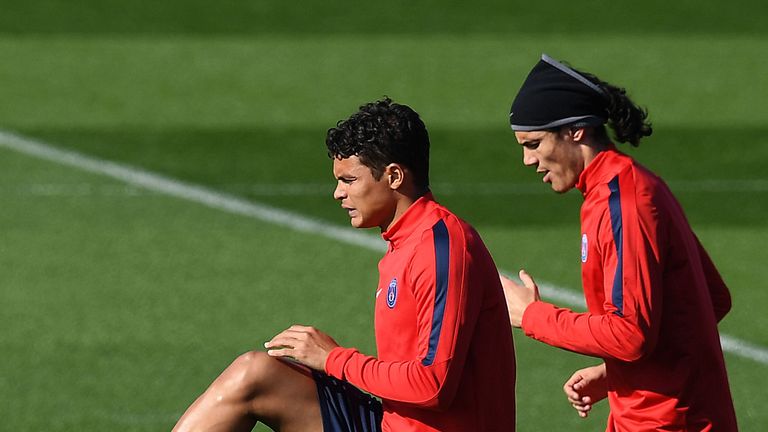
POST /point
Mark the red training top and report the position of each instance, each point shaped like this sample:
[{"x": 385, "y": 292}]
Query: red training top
[
  {"x": 654, "y": 299},
  {"x": 446, "y": 357}
]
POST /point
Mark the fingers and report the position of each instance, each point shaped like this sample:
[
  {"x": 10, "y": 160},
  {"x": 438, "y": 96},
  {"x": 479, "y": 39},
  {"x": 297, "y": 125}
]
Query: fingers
[
  {"x": 585, "y": 388},
  {"x": 292, "y": 338},
  {"x": 507, "y": 283},
  {"x": 576, "y": 398},
  {"x": 282, "y": 348},
  {"x": 281, "y": 352},
  {"x": 282, "y": 341},
  {"x": 292, "y": 342},
  {"x": 294, "y": 332},
  {"x": 582, "y": 409},
  {"x": 582, "y": 404},
  {"x": 572, "y": 385},
  {"x": 302, "y": 328},
  {"x": 527, "y": 279},
  {"x": 571, "y": 394},
  {"x": 282, "y": 344},
  {"x": 575, "y": 378}
]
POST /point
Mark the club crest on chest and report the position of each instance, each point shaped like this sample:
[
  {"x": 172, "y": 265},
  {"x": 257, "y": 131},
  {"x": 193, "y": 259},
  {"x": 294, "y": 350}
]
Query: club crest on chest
[{"x": 392, "y": 293}]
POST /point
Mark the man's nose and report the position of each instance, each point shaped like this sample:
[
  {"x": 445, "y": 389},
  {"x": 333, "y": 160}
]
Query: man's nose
[
  {"x": 528, "y": 158},
  {"x": 339, "y": 193}
]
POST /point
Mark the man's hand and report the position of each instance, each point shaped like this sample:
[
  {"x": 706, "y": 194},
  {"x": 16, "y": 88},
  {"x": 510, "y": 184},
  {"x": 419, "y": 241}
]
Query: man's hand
[
  {"x": 306, "y": 345},
  {"x": 519, "y": 296},
  {"x": 585, "y": 388}
]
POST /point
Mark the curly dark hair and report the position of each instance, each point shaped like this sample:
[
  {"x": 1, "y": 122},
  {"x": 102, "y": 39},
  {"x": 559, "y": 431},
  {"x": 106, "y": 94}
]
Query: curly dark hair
[
  {"x": 627, "y": 120},
  {"x": 381, "y": 133}
]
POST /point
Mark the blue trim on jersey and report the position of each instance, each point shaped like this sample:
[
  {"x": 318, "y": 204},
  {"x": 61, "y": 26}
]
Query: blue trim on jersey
[
  {"x": 442, "y": 260},
  {"x": 614, "y": 204}
]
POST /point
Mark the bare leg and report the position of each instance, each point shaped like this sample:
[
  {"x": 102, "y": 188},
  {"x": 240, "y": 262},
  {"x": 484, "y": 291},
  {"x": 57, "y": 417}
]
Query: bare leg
[{"x": 256, "y": 387}]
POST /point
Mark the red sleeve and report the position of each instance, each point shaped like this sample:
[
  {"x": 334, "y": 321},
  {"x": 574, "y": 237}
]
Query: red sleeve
[
  {"x": 718, "y": 290},
  {"x": 628, "y": 237},
  {"x": 446, "y": 317}
]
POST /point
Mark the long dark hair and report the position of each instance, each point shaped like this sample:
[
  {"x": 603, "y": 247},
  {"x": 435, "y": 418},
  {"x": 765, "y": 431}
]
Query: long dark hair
[{"x": 627, "y": 120}]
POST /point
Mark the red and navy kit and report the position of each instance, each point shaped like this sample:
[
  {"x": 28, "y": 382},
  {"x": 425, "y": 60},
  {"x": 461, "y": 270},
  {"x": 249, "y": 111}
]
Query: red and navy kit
[
  {"x": 654, "y": 299},
  {"x": 446, "y": 359}
]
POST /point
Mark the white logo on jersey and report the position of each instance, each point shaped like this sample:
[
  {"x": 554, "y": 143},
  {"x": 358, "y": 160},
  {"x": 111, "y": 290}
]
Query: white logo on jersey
[{"x": 584, "y": 248}]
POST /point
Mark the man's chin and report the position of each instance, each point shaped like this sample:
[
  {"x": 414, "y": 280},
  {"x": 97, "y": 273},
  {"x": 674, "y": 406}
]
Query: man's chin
[
  {"x": 357, "y": 223},
  {"x": 360, "y": 224},
  {"x": 560, "y": 189}
]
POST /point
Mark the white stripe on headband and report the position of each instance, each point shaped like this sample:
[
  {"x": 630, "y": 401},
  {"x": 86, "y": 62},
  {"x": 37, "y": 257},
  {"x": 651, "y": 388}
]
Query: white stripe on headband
[
  {"x": 572, "y": 73},
  {"x": 587, "y": 120}
]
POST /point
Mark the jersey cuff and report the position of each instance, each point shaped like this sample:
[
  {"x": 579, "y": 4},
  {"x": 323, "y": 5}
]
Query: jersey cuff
[
  {"x": 532, "y": 315},
  {"x": 337, "y": 359}
]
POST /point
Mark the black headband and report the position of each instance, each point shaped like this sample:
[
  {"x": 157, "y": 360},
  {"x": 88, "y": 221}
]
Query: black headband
[{"x": 555, "y": 95}]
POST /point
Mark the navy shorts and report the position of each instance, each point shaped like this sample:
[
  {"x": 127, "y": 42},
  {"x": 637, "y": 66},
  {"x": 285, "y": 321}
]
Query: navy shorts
[{"x": 345, "y": 408}]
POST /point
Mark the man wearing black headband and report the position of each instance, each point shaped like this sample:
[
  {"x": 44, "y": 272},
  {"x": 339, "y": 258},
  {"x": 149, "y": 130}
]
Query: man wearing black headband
[{"x": 653, "y": 295}]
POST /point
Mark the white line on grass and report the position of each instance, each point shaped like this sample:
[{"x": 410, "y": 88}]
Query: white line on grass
[
  {"x": 166, "y": 185},
  {"x": 298, "y": 222}
]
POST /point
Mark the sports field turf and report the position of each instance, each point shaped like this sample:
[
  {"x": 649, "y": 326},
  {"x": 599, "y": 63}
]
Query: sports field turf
[{"x": 119, "y": 303}]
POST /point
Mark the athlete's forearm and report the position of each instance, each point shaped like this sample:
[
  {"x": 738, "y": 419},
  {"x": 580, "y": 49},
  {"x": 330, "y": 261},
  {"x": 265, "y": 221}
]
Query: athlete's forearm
[
  {"x": 605, "y": 336},
  {"x": 404, "y": 381}
]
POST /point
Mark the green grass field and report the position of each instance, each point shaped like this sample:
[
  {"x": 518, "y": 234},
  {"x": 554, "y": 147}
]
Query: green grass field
[{"x": 119, "y": 304}]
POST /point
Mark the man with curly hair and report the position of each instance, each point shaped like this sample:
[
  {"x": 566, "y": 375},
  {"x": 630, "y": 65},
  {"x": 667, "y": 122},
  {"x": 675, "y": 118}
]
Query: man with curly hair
[{"x": 446, "y": 359}]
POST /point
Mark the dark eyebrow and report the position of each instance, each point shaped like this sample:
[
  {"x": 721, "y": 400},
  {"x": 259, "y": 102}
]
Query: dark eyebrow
[{"x": 529, "y": 142}]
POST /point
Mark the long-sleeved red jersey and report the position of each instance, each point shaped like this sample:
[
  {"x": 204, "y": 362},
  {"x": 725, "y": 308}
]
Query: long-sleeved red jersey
[
  {"x": 446, "y": 359},
  {"x": 654, "y": 299}
]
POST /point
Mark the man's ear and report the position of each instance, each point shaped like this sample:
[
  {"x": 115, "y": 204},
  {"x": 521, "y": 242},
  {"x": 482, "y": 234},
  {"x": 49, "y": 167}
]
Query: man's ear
[
  {"x": 578, "y": 134},
  {"x": 395, "y": 175}
]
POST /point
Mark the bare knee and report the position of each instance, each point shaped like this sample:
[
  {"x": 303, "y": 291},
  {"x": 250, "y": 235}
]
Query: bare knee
[
  {"x": 249, "y": 374},
  {"x": 257, "y": 387},
  {"x": 275, "y": 391}
]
